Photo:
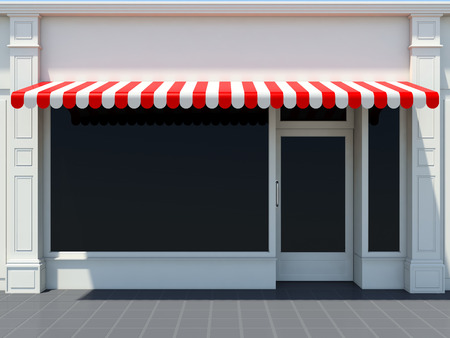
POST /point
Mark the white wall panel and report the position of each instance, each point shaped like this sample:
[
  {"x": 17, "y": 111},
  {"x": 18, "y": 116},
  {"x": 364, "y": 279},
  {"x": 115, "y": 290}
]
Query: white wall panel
[
  {"x": 4, "y": 53},
  {"x": 224, "y": 48},
  {"x": 445, "y": 52}
]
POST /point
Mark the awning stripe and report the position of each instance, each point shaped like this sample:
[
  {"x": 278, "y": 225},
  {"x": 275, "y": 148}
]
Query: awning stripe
[
  {"x": 302, "y": 94},
  {"x": 121, "y": 97},
  {"x": 380, "y": 97},
  {"x": 225, "y": 94},
  {"x": 199, "y": 94},
  {"x": 432, "y": 96},
  {"x": 354, "y": 96},
  {"x": 276, "y": 94}
]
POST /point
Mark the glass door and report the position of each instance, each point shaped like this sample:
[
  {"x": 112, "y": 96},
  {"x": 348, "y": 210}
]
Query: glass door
[{"x": 314, "y": 212}]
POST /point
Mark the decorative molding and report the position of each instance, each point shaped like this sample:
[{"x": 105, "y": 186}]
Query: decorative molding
[
  {"x": 23, "y": 157},
  {"x": 25, "y": 271},
  {"x": 226, "y": 8},
  {"x": 424, "y": 266}
]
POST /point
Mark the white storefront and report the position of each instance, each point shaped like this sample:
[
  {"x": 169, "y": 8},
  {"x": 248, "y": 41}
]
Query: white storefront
[{"x": 395, "y": 246}]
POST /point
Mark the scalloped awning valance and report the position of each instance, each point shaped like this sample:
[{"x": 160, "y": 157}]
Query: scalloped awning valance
[{"x": 212, "y": 94}]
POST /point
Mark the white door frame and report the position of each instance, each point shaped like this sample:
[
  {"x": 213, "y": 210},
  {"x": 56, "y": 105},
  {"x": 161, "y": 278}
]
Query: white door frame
[{"x": 318, "y": 266}]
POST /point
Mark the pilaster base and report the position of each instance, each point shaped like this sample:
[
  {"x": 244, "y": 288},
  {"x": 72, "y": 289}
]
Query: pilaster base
[
  {"x": 424, "y": 278},
  {"x": 378, "y": 272},
  {"x": 25, "y": 278}
]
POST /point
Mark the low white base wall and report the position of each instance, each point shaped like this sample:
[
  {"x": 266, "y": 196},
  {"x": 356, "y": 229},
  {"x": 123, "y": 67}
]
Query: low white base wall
[
  {"x": 379, "y": 273},
  {"x": 165, "y": 273}
]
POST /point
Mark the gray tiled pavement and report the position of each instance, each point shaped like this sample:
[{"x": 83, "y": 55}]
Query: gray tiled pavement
[{"x": 293, "y": 310}]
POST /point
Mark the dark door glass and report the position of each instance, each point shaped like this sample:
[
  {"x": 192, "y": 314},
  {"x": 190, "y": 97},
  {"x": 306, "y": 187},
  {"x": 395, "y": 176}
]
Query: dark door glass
[{"x": 313, "y": 194}]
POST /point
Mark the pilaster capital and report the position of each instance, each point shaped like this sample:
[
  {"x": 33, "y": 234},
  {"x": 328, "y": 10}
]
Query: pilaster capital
[
  {"x": 24, "y": 30},
  {"x": 425, "y": 30}
]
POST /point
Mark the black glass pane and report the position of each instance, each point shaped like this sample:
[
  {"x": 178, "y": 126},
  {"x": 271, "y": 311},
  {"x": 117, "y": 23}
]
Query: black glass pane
[
  {"x": 159, "y": 180},
  {"x": 384, "y": 229},
  {"x": 312, "y": 194},
  {"x": 311, "y": 114}
]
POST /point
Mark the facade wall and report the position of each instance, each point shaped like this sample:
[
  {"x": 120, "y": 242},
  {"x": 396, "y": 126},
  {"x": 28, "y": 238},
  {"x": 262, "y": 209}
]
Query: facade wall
[
  {"x": 224, "y": 48},
  {"x": 218, "y": 48},
  {"x": 4, "y": 96},
  {"x": 445, "y": 128}
]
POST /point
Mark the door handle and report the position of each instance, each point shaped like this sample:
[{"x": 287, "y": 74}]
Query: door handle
[{"x": 277, "y": 189}]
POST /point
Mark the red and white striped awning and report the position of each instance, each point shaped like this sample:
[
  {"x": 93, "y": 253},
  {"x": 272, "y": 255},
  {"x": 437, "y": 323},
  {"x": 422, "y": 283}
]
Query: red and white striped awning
[{"x": 225, "y": 94}]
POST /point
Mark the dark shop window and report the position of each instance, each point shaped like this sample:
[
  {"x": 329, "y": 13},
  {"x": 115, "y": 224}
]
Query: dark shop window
[
  {"x": 159, "y": 180},
  {"x": 384, "y": 192}
]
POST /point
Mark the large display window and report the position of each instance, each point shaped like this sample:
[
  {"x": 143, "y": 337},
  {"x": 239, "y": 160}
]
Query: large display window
[{"x": 159, "y": 180}]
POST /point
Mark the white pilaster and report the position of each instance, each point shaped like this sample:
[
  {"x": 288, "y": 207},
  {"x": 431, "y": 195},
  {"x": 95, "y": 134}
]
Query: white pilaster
[
  {"x": 424, "y": 268},
  {"x": 24, "y": 264}
]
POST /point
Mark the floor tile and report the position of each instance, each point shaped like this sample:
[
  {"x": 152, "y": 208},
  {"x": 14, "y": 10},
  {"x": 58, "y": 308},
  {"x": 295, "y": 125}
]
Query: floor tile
[
  {"x": 20, "y": 314},
  {"x": 318, "y": 323},
  {"x": 429, "y": 314},
  {"x": 411, "y": 323},
  {"x": 100, "y": 322},
  {"x": 224, "y": 322},
  {"x": 400, "y": 314},
  {"x": 256, "y": 323},
  {"x": 163, "y": 322},
  {"x": 225, "y": 333},
  {"x": 197, "y": 305},
  {"x": 131, "y": 322},
  {"x": 194, "y": 322},
  {"x": 438, "y": 322},
  {"x": 253, "y": 314},
  {"x": 258, "y": 333},
  {"x": 69, "y": 323},
  {"x": 59, "y": 333},
  {"x": 341, "y": 314},
  {"x": 324, "y": 333},
  {"x": 370, "y": 314},
  {"x": 107, "y": 313},
  {"x": 78, "y": 314},
  {"x": 159, "y": 333},
  {"x": 225, "y": 314},
  {"x": 390, "y": 333},
  {"x": 191, "y": 333},
  {"x": 307, "y": 305},
  {"x": 357, "y": 333},
  {"x": 6, "y": 323},
  {"x": 37, "y": 323},
  {"x": 195, "y": 314},
  {"x": 279, "y": 305},
  {"x": 128, "y": 333},
  {"x": 334, "y": 305},
  {"x": 380, "y": 323},
  {"x": 349, "y": 323},
  {"x": 291, "y": 333},
  {"x": 219, "y": 305},
  {"x": 420, "y": 333},
  {"x": 286, "y": 322},
  {"x": 283, "y": 314},
  {"x": 4, "y": 331},
  {"x": 25, "y": 333},
  {"x": 92, "y": 333},
  {"x": 312, "y": 314},
  {"x": 166, "y": 314},
  {"x": 136, "y": 314}
]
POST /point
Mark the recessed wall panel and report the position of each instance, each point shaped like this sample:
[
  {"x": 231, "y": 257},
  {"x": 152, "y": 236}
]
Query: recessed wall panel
[{"x": 23, "y": 213}]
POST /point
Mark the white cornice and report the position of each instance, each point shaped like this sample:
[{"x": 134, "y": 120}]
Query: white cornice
[{"x": 224, "y": 8}]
